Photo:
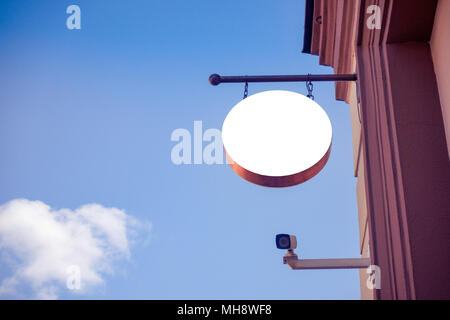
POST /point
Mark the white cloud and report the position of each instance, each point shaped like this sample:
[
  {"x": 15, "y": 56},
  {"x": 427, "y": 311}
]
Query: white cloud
[{"x": 39, "y": 244}]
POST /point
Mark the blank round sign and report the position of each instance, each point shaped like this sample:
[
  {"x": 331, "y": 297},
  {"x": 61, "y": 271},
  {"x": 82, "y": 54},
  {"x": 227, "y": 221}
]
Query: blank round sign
[{"x": 277, "y": 138}]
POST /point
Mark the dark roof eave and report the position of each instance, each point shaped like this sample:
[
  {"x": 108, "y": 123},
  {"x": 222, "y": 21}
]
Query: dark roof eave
[{"x": 307, "y": 36}]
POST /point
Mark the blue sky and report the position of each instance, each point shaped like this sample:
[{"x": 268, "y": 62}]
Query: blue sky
[{"x": 86, "y": 117}]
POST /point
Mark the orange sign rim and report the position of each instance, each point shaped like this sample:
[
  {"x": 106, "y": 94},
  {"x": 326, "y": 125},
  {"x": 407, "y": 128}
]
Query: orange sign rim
[{"x": 279, "y": 181}]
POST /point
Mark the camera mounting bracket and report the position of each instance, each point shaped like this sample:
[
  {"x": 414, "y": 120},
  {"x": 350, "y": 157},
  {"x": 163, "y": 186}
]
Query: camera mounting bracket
[{"x": 292, "y": 260}]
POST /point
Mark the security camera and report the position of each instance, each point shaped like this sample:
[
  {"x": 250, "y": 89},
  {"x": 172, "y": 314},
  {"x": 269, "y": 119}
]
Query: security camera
[{"x": 286, "y": 241}]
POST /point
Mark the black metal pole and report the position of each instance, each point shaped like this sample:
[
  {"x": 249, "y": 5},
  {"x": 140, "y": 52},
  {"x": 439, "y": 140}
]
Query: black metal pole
[{"x": 216, "y": 79}]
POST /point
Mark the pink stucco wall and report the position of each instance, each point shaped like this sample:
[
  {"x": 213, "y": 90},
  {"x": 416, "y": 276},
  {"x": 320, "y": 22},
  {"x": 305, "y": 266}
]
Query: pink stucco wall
[{"x": 440, "y": 48}]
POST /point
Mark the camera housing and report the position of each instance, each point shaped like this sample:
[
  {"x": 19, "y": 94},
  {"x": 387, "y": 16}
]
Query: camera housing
[{"x": 286, "y": 241}]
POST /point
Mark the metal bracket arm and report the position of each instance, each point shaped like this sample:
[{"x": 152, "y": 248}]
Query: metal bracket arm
[
  {"x": 304, "y": 264},
  {"x": 216, "y": 79}
]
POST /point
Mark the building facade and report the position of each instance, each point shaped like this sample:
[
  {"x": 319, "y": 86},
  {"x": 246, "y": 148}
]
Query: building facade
[{"x": 400, "y": 115}]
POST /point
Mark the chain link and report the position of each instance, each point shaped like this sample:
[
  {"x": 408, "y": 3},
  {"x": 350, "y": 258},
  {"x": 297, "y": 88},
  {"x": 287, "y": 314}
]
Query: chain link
[
  {"x": 309, "y": 87},
  {"x": 246, "y": 90}
]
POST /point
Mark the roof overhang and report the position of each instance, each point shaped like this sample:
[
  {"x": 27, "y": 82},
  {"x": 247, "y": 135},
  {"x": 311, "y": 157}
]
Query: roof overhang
[{"x": 307, "y": 36}]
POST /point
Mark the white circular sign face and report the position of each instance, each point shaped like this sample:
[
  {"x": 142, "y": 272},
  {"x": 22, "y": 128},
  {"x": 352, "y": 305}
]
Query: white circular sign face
[{"x": 277, "y": 138}]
